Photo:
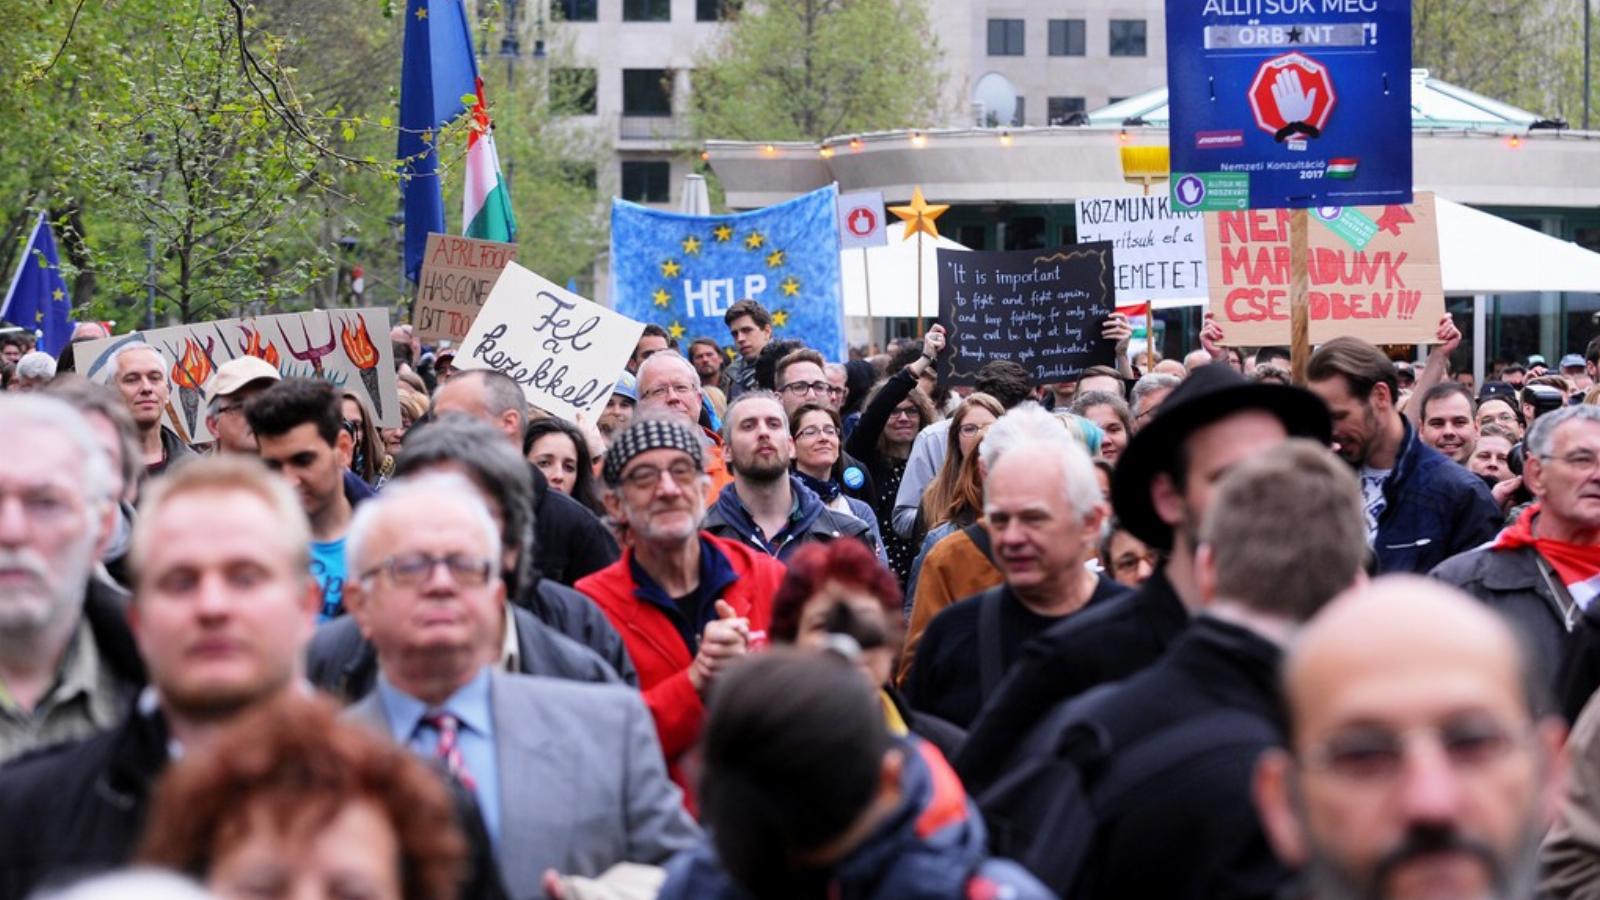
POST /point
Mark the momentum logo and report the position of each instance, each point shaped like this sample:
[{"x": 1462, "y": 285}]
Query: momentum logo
[{"x": 1218, "y": 140}]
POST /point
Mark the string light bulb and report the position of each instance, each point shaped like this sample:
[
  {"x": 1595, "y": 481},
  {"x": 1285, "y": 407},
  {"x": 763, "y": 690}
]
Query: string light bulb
[
  {"x": 918, "y": 139},
  {"x": 768, "y": 150},
  {"x": 1005, "y": 138},
  {"x": 855, "y": 145},
  {"x": 826, "y": 152}
]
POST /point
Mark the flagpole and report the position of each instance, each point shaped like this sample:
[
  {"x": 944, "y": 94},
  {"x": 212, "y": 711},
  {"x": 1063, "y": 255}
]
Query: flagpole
[
  {"x": 919, "y": 284},
  {"x": 22, "y": 263},
  {"x": 866, "y": 277}
]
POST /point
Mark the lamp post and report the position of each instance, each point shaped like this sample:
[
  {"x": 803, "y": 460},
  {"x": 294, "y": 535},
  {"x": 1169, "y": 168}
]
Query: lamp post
[
  {"x": 397, "y": 233},
  {"x": 1588, "y": 45},
  {"x": 510, "y": 50}
]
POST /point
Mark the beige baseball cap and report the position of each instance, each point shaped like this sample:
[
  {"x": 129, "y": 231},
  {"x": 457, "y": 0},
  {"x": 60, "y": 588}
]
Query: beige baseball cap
[{"x": 236, "y": 373}]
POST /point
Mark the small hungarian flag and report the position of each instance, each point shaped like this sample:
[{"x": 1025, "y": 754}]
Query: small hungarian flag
[
  {"x": 486, "y": 205},
  {"x": 1342, "y": 167}
]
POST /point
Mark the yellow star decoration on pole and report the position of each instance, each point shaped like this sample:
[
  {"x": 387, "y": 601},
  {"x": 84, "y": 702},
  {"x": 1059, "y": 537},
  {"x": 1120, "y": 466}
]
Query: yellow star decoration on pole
[
  {"x": 722, "y": 233},
  {"x": 676, "y": 330},
  {"x": 920, "y": 215},
  {"x": 780, "y": 318},
  {"x": 774, "y": 259},
  {"x": 754, "y": 240},
  {"x": 670, "y": 269},
  {"x": 790, "y": 286},
  {"x": 691, "y": 245},
  {"x": 661, "y": 297}
]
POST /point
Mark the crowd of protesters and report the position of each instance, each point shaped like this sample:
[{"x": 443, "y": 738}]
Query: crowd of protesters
[{"x": 777, "y": 625}]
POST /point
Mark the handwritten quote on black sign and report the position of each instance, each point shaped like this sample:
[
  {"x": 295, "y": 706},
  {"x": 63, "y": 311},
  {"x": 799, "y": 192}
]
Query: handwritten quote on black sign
[{"x": 1043, "y": 309}]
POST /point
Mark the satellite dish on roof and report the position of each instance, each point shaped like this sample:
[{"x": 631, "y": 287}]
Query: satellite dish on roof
[{"x": 995, "y": 99}]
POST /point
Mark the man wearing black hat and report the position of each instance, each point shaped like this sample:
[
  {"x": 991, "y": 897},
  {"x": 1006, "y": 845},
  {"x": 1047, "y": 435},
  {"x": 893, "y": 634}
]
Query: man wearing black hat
[{"x": 1162, "y": 487}]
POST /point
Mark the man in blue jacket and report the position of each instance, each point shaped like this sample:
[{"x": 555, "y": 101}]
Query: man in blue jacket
[
  {"x": 766, "y": 506},
  {"x": 1421, "y": 507}
]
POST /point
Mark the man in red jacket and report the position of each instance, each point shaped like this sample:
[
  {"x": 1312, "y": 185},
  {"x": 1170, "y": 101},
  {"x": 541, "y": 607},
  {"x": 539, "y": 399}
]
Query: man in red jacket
[{"x": 687, "y": 603}]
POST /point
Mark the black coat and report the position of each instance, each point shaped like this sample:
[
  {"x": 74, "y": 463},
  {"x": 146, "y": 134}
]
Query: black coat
[
  {"x": 79, "y": 809},
  {"x": 1511, "y": 583},
  {"x": 1096, "y": 646},
  {"x": 343, "y": 663},
  {"x": 105, "y": 610},
  {"x": 1192, "y": 815},
  {"x": 581, "y": 619},
  {"x": 569, "y": 542}
]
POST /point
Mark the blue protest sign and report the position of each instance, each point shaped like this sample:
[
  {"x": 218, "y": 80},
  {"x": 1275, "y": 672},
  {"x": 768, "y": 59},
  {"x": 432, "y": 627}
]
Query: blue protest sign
[
  {"x": 683, "y": 272},
  {"x": 1307, "y": 102}
]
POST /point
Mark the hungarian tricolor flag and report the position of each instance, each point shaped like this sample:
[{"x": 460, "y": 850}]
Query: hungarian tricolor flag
[{"x": 486, "y": 205}]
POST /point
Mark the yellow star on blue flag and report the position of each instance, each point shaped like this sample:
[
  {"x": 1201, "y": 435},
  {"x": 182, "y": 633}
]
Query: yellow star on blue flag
[
  {"x": 774, "y": 259},
  {"x": 670, "y": 269},
  {"x": 38, "y": 297},
  {"x": 754, "y": 240},
  {"x": 691, "y": 245}
]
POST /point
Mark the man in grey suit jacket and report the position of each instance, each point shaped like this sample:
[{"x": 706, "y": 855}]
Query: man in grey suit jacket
[{"x": 569, "y": 776}]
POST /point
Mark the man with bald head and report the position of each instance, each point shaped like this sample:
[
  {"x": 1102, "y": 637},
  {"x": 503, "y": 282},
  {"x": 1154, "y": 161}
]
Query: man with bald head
[
  {"x": 669, "y": 384},
  {"x": 1421, "y": 761},
  {"x": 569, "y": 540}
]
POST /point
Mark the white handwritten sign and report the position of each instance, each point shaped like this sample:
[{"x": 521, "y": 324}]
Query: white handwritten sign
[
  {"x": 566, "y": 352},
  {"x": 1160, "y": 252}
]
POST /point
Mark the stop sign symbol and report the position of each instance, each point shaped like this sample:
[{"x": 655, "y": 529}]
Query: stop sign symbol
[
  {"x": 1292, "y": 97},
  {"x": 861, "y": 221}
]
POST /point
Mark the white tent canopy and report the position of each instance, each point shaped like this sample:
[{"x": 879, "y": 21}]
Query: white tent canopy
[
  {"x": 894, "y": 275},
  {"x": 1484, "y": 254}
]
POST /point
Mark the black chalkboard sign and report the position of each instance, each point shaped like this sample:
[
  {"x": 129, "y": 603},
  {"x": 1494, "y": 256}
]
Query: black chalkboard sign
[{"x": 1044, "y": 309}]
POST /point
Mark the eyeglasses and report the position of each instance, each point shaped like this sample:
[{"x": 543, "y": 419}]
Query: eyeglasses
[
  {"x": 1581, "y": 461},
  {"x": 972, "y": 429},
  {"x": 835, "y": 391},
  {"x": 682, "y": 390},
  {"x": 353, "y": 427},
  {"x": 811, "y": 431},
  {"x": 414, "y": 569},
  {"x": 1130, "y": 564},
  {"x": 802, "y": 388},
  {"x": 1376, "y": 756},
  {"x": 904, "y": 412},
  {"x": 641, "y": 478},
  {"x": 231, "y": 407}
]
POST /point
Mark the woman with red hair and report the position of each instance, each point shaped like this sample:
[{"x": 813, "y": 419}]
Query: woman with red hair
[{"x": 838, "y": 597}]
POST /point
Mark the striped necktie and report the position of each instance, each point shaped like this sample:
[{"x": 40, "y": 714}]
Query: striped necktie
[{"x": 448, "y": 750}]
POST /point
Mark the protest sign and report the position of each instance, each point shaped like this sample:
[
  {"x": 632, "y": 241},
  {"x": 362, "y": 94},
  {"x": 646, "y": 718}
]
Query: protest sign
[
  {"x": 1160, "y": 252},
  {"x": 457, "y": 275},
  {"x": 565, "y": 352},
  {"x": 1374, "y": 273},
  {"x": 1041, "y": 308},
  {"x": 861, "y": 220},
  {"x": 682, "y": 272},
  {"x": 1289, "y": 103},
  {"x": 337, "y": 345}
]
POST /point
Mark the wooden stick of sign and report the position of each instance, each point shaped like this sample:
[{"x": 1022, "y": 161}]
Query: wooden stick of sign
[{"x": 1299, "y": 297}]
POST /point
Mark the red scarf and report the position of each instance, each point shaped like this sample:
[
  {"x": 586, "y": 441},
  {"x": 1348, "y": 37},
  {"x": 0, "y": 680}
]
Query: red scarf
[{"x": 1578, "y": 565}]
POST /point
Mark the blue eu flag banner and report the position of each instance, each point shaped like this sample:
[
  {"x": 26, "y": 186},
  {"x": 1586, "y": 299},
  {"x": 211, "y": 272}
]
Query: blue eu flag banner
[
  {"x": 438, "y": 69},
  {"x": 38, "y": 299},
  {"x": 683, "y": 272}
]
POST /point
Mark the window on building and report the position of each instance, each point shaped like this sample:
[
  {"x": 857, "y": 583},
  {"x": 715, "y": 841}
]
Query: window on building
[
  {"x": 716, "y": 10},
  {"x": 1005, "y": 37},
  {"x": 575, "y": 10},
  {"x": 1127, "y": 37},
  {"x": 973, "y": 237},
  {"x": 1025, "y": 233},
  {"x": 1020, "y": 117},
  {"x": 646, "y": 92},
  {"x": 646, "y": 10},
  {"x": 1066, "y": 37},
  {"x": 1062, "y": 110},
  {"x": 572, "y": 92},
  {"x": 646, "y": 181}
]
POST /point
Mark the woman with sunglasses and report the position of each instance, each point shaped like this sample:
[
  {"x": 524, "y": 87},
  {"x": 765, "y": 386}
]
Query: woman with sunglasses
[{"x": 370, "y": 459}]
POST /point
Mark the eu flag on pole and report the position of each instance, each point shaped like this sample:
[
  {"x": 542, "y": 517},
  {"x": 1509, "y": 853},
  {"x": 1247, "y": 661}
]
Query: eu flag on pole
[
  {"x": 682, "y": 272},
  {"x": 38, "y": 299},
  {"x": 437, "y": 71}
]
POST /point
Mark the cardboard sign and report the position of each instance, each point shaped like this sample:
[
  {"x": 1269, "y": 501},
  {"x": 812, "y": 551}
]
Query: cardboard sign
[
  {"x": 1374, "y": 273},
  {"x": 348, "y": 347},
  {"x": 1042, "y": 308},
  {"x": 566, "y": 352},
  {"x": 457, "y": 275},
  {"x": 1160, "y": 252},
  {"x": 1289, "y": 103}
]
